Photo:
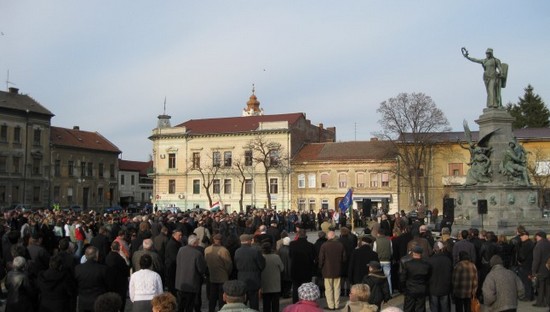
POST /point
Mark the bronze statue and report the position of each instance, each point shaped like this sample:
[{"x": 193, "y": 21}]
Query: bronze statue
[
  {"x": 480, "y": 163},
  {"x": 494, "y": 76}
]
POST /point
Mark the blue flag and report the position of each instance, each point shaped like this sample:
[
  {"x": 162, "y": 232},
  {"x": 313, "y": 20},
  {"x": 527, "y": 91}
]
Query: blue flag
[{"x": 346, "y": 202}]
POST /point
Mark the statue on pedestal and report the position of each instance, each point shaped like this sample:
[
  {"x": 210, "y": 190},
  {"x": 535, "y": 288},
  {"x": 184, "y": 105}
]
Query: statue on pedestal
[
  {"x": 514, "y": 164},
  {"x": 494, "y": 76},
  {"x": 480, "y": 163}
]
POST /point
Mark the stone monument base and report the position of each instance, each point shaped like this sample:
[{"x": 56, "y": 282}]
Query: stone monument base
[{"x": 507, "y": 207}]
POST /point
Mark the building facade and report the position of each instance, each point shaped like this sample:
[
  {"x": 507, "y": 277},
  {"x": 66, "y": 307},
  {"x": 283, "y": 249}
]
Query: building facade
[
  {"x": 322, "y": 173},
  {"x": 24, "y": 150},
  {"x": 236, "y": 161},
  {"x": 135, "y": 185},
  {"x": 84, "y": 169}
]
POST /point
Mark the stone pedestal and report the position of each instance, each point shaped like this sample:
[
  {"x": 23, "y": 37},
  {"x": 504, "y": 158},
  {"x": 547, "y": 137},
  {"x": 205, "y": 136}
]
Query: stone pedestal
[{"x": 508, "y": 204}]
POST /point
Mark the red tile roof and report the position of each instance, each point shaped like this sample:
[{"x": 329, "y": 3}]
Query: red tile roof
[
  {"x": 370, "y": 150},
  {"x": 236, "y": 124},
  {"x": 81, "y": 139},
  {"x": 130, "y": 165}
]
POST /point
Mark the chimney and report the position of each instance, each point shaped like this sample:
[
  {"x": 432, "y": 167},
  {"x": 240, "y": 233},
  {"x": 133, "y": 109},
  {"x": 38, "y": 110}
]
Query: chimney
[
  {"x": 13, "y": 90},
  {"x": 76, "y": 128}
]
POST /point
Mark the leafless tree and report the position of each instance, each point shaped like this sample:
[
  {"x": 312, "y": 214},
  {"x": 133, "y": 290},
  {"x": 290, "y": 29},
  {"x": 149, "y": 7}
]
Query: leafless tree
[
  {"x": 209, "y": 172},
  {"x": 270, "y": 155},
  {"x": 412, "y": 122},
  {"x": 539, "y": 170}
]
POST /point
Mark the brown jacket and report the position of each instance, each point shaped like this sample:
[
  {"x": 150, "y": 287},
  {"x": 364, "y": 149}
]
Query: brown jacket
[
  {"x": 219, "y": 263},
  {"x": 331, "y": 258}
]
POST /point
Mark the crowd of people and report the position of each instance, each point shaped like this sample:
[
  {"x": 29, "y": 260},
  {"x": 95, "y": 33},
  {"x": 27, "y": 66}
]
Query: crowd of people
[{"x": 68, "y": 261}]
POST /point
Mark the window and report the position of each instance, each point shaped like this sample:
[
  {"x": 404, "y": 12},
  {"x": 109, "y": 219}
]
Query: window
[
  {"x": 385, "y": 179},
  {"x": 171, "y": 160},
  {"x": 216, "y": 186},
  {"x": 342, "y": 180},
  {"x": 301, "y": 181},
  {"x": 274, "y": 158},
  {"x": 311, "y": 181},
  {"x": 3, "y": 163},
  {"x": 248, "y": 186},
  {"x": 112, "y": 170},
  {"x": 374, "y": 180},
  {"x": 273, "y": 185},
  {"x": 312, "y": 204},
  {"x": 216, "y": 159},
  {"x": 82, "y": 169},
  {"x": 196, "y": 186},
  {"x": 360, "y": 180},
  {"x": 171, "y": 186},
  {"x": 71, "y": 168},
  {"x": 90, "y": 169},
  {"x": 16, "y": 164},
  {"x": 57, "y": 168},
  {"x": 196, "y": 160},
  {"x": 37, "y": 137},
  {"x": 324, "y": 180},
  {"x": 15, "y": 193},
  {"x": 36, "y": 165},
  {"x": 324, "y": 204},
  {"x": 227, "y": 159},
  {"x": 132, "y": 180},
  {"x": 301, "y": 204},
  {"x": 56, "y": 193},
  {"x": 248, "y": 158},
  {"x": 36, "y": 194},
  {"x": 3, "y": 133},
  {"x": 455, "y": 169},
  {"x": 100, "y": 194},
  {"x": 122, "y": 179},
  {"x": 100, "y": 170},
  {"x": 227, "y": 186},
  {"x": 2, "y": 193},
  {"x": 17, "y": 135}
]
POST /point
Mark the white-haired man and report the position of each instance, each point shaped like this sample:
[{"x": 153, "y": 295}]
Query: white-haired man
[{"x": 190, "y": 269}]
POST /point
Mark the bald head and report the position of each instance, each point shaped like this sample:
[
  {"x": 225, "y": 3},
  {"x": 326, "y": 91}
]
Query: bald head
[{"x": 331, "y": 235}]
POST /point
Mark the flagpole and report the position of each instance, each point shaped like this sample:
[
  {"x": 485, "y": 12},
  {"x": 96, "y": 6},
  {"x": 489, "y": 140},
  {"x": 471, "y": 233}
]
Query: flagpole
[{"x": 351, "y": 212}]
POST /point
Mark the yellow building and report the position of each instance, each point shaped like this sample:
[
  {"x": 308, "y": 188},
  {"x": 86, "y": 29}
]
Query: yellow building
[
  {"x": 322, "y": 173},
  {"x": 236, "y": 161}
]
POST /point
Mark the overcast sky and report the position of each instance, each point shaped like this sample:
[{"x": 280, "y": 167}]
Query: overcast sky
[{"x": 107, "y": 66}]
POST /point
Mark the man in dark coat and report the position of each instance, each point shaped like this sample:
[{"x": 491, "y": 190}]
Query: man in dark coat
[
  {"x": 57, "y": 287},
  {"x": 191, "y": 267},
  {"x": 302, "y": 262},
  {"x": 21, "y": 293},
  {"x": 440, "y": 279},
  {"x": 101, "y": 242},
  {"x": 414, "y": 279},
  {"x": 331, "y": 260},
  {"x": 250, "y": 263},
  {"x": 170, "y": 255},
  {"x": 525, "y": 262},
  {"x": 541, "y": 254},
  {"x": 92, "y": 279},
  {"x": 119, "y": 271},
  {"x": 359, "y": 258}
]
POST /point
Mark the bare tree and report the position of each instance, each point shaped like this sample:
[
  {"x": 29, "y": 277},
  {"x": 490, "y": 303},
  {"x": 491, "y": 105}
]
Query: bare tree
[
  {"x": 242, "y": 172},
  {"x": 271, "y": 157},
  {"x": 411, "y": 122},
  {"x": 209, "y": 173}
]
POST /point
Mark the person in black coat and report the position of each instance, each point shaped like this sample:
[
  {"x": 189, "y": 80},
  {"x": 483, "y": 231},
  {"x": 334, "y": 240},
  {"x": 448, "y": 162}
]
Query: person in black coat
[
  {"x": 92, "y": 280},
  {"x": 21, "y": 293},
  {"x": 358, "y": 268},
  {"x": 119, "y": 271},
  {"x": 440, "y": 280},
  {"x": 414, "y": 281},
  {"x": 56, "y": 286},
  {"x": 302, "y": 262},
  {"x": 322, "y": 238},
  {"x": 378, "y": 284},
  {"x": 250, "y": 263},
  {"x": 170, "y": 259},
  {"x": 101, "y": 242}
]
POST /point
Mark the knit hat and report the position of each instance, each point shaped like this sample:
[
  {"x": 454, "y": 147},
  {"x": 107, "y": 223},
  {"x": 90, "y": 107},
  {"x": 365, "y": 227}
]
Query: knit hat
[
  {"x": 496, "y": 259},
  {"x": 309, "y": 292}
]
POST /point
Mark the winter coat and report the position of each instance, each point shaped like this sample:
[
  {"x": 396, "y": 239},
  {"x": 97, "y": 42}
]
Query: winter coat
[
  {"x": 56, "y": 289},
  {"x": 442, "y": 271},
  {"x": 414, "y": 277},
  {"x": 358, "y": 267},
  {"x": 271, "y": 274},
  {"x": 191, "y": 268},
  {"x": 21, "y": 293},
  {"x": 501, "y": 289},
  {"x": 331, "y": 258},
  {"x": 250, "y": 264},
  {"x": 92, "y": 280},
  {"x": 464, "y": 279},
  {"x": 302, "y": 260},
  {"x": 284, "y": 254},
  {"x": 379, "y": 287}
]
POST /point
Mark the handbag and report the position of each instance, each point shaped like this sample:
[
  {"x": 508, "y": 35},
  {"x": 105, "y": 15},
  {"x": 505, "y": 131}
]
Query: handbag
[{"x": 475, "y": 306}]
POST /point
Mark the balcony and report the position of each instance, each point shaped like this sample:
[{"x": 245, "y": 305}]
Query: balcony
[{"x": 453, "y": 180}]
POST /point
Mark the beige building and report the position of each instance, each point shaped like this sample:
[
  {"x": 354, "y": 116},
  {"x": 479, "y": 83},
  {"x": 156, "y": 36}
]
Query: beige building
[
  {"x": 236, "y": 161},
  {"x": 24, "y": 150},
  {"x": 84, "y": 169},
  {"x": 322, "y": 173}
]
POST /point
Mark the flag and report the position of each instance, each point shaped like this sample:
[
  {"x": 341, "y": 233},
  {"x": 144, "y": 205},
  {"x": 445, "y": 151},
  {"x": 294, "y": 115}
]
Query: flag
[
  {"x": 346, "y": 202},
  {"x": 215, "y": 206}
]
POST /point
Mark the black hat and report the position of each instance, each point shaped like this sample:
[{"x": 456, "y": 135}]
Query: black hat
[
  {"x": 375, "y": 265},
  {"x": 418, "y": 250}
]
